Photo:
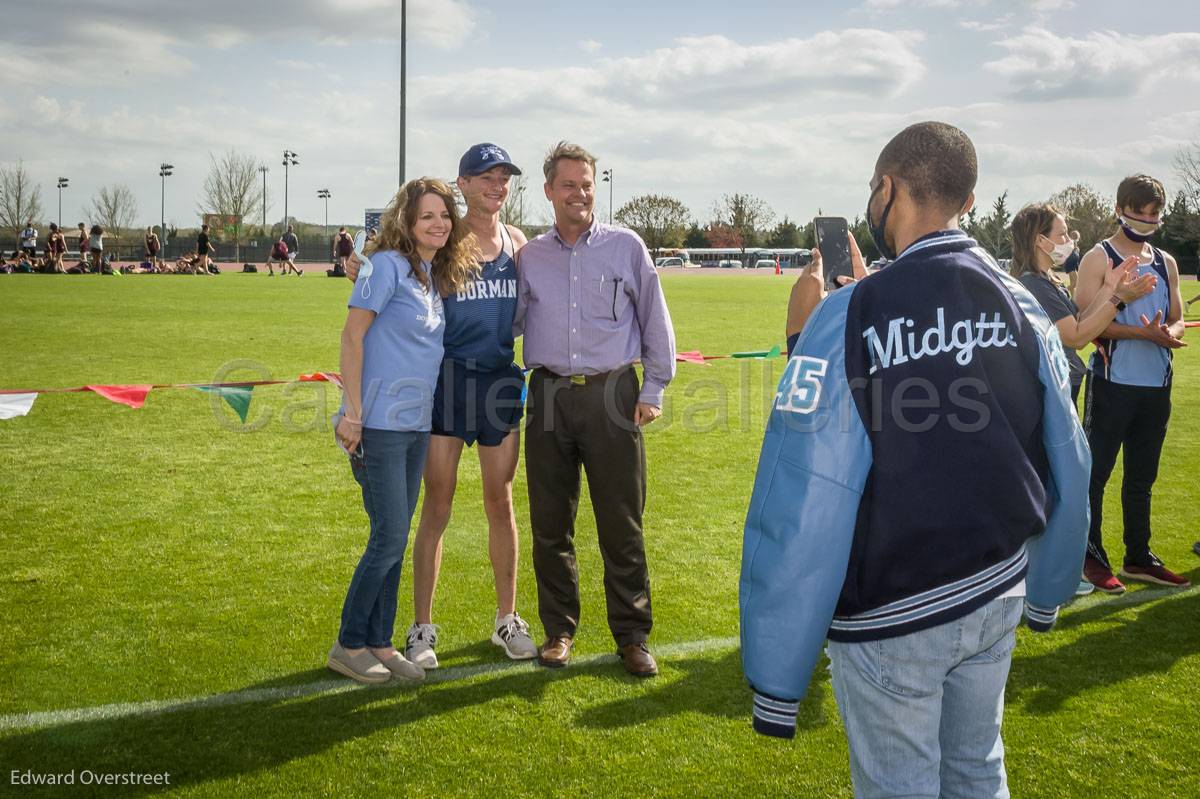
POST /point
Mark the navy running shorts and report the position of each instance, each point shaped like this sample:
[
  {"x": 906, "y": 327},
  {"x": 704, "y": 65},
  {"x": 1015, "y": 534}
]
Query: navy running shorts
[{"x": 477, "y": 406}]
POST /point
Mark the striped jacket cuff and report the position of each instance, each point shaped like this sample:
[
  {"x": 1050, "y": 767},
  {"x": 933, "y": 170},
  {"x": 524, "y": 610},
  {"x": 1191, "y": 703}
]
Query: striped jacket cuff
[
  {"x": 1040, "y": 619},
  {"x": 775, "y": 717}
]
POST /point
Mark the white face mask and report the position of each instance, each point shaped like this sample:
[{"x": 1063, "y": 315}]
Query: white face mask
[
  {"x": 364, "y": 271},
  {"x": 1061, "y": 252}
]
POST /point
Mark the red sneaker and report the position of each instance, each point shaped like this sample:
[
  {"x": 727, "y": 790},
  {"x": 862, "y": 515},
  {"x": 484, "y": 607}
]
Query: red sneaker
[
  {"x": 1101, "y": 576},
  {"x": 1158, "y": 574}
]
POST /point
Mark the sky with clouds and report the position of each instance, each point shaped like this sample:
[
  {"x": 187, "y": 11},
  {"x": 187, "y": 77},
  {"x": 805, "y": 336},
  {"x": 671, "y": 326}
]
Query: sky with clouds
[{"x": 790, "y": 102}]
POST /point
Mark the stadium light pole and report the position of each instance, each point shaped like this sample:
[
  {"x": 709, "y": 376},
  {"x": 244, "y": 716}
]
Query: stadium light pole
[
  {"x": 289, "y": 160},
  {"x": 264, "y": 169},
  {"x": 323, "y": 194},
  {"x": 608, "y": 175},
  {"x": 403, "y": 78},
  {"x": 62, "y": 184},
  {"x": 164, "y": 172}
]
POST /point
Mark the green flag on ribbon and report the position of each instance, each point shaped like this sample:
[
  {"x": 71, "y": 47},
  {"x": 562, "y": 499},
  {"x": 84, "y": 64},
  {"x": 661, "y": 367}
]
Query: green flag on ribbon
[
  {"x": 238, "y": 397},
  {"x": 771, "y": 353}
]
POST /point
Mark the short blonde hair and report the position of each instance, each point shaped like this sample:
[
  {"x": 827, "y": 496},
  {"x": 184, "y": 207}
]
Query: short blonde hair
[{"x": 566, "y": 149}]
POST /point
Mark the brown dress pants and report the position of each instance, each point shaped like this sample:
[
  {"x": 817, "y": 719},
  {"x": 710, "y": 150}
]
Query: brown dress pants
[{"x": 590, "y": 424}]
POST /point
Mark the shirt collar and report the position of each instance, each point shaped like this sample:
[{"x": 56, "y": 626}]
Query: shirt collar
[
  {"x": 594, "y": 229},
  {"x": 937, "y": 238}
]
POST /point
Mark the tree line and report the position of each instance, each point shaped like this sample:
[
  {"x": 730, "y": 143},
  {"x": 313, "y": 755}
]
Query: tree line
[{"x": 233, "y": 189}]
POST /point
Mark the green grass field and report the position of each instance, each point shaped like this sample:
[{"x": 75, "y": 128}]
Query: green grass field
[{"x": 170, "y": 555}]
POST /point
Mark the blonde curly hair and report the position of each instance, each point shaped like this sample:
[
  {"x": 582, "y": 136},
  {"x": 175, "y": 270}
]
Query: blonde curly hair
[{"x": 455, "y": 264}]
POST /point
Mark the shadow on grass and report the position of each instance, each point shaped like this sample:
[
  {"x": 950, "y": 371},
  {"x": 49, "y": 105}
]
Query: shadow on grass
[
  {"x": 1163, "y": 632},
  {"x": 711, "y": 687},
  {"x": 201, "y": 744}
]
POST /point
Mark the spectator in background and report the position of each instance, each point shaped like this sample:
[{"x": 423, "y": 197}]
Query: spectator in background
[
  {"x": 153, "y": 247},
  {"x": 96, "y": 248},
  {"x": 293, "y": 245},
  {"x": 1128, "y": 395},
  {"x": 279, "y": 255},
  {"x": 1040, "y": 243},
  {"x": 29, "y": 240},
  {"x": 1070, "y": 267},
  {"x": 56, "y": 248},
  {"x": 81, "y": 235},
  {"x": 343, "y": 247},
  {"x": 203, "y": 248}
]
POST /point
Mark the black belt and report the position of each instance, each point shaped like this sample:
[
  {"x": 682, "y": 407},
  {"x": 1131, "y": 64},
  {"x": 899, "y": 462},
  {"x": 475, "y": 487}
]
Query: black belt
[{"x": 582, "y": 380}]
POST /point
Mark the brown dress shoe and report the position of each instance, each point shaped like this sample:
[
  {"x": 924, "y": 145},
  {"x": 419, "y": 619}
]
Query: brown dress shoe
[
  {"x": 637, "y": 660},
  {"x": 556, "y": 652}
]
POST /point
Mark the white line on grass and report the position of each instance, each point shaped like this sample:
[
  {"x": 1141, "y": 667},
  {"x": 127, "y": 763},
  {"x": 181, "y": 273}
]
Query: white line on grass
[{"x": 55, "y": 718}]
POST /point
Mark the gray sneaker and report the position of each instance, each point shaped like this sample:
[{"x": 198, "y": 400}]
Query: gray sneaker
[
  {"x": 363, "y": 667},
  {"x": 403, "y": 668},
  {"x": 512, "y": 635},
  {"x": 419, "y": 644}
]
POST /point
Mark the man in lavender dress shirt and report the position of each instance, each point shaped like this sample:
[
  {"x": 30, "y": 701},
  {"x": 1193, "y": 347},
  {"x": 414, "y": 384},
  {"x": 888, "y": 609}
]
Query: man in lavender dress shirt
[{"x": 590, "y": 304}]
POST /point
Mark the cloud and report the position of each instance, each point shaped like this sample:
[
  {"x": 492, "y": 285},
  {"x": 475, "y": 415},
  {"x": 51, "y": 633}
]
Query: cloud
[
  {"x": 1000, "y": 23},
  {"x": 590, "y": 46},
  {"x": 130, "y": 53},
  {"x": 134, "y": 40},
  {"x": 888, "y": 5},
  {"x": 1035, "y": 10},
  {"x": 1041, "y": 65},
  {"x": 302, "y": 66},
  {"x": 713, "y": 73}
]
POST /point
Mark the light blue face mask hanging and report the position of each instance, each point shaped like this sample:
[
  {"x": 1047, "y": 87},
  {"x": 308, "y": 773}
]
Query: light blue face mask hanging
[{"x": 364, "y": 271}]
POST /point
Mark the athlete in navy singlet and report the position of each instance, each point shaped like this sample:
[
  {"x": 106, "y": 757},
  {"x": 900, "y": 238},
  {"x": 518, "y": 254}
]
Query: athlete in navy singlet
[
  {"x": 1127, "y": 400},
  {"x": 478, "y": 400}
]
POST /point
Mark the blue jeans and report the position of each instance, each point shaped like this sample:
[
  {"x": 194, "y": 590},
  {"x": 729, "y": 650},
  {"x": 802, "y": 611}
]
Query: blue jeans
[
  {"x": 389, "y": 472},
  {"x": 922, "y": 711}
]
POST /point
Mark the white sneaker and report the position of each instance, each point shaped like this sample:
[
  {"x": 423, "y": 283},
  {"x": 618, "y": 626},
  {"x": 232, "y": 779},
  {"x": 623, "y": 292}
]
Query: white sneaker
[
  {"x": 403, "y": 668},
  {"x": 418, "y": 648},
  {"x": 512, "y": 635}
]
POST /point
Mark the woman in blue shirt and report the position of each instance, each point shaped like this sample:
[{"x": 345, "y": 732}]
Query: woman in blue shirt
[{"x": 391, "y": 355}]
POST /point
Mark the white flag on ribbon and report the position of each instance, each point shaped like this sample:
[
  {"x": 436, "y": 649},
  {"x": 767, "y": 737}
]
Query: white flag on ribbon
[{"x": 14, "y": 405}]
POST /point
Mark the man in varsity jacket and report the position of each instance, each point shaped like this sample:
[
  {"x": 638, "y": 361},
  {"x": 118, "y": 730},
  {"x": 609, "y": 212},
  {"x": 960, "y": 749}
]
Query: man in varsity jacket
[{"x": 923, "y": 477}]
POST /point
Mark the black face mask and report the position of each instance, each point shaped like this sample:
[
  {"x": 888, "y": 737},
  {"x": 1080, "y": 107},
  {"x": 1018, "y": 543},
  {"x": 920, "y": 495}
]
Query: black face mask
[{"x": 878, "y": 232}]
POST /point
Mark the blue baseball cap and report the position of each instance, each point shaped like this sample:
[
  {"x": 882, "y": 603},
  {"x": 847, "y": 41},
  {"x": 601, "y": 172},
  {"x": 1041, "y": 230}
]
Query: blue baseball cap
[{"x": 482, "y": 157}]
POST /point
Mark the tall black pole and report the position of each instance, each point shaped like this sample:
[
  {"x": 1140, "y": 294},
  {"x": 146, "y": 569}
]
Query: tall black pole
[
  {"x": 263, "y": 168},
  {"x": 285, "y": 182},
  {"x": 60, "y": 206},
  {"x": 162, "y": 208},
  {"x": 403, "y": 78}
]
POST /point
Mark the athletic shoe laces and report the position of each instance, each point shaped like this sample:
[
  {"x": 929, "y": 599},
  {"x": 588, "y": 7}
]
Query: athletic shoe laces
[
  {"x": 423, "y": 633},
  {"x": 512, "y": 627}
]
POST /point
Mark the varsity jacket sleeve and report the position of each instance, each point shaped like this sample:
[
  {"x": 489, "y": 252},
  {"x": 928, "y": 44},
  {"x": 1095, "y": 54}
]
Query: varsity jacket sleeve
[
  {"x": 800, "y": 525},
  {"x": 1056, "y": 556}
]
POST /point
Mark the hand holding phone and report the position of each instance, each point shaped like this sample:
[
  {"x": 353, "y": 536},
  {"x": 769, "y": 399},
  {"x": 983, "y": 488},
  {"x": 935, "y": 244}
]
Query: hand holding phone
[{"x": 833, "y": 240}]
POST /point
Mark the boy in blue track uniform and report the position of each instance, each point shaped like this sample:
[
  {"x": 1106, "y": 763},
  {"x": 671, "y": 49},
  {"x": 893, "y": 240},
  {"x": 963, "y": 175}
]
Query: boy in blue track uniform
[
  {"x": 923, "y": 478},
  {"x": 1127, "y": 398}
]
